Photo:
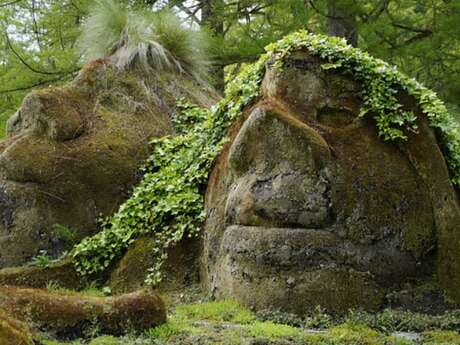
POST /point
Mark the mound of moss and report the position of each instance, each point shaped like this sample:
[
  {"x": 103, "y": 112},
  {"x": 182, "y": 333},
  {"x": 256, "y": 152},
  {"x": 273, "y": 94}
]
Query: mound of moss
[{"x": 68, "y": 316}]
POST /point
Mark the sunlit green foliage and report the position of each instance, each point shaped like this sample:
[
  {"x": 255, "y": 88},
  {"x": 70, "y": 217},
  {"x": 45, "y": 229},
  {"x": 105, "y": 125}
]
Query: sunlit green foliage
[{"x": 42, "y": 259}]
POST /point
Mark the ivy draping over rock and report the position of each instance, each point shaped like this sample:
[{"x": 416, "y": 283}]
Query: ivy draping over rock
[{"x": 168, "y": 203}]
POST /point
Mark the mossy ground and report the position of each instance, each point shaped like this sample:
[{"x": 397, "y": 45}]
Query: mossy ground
[{"x": 227, "y": 323}]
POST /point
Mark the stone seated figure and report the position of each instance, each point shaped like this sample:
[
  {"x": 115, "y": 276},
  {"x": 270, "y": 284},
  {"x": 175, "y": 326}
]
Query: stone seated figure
[
  {"x": 308, "y": 206},
  {"x": 74, "y": 152}
]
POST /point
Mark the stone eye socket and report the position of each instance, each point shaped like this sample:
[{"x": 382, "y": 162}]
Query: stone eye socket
[
  {"x": 46, "y": 116},
  {"x": 335, "y": 117}
]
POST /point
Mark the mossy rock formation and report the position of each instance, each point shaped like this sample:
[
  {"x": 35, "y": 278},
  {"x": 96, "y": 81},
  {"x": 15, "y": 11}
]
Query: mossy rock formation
[
  {"x": 307, "y": 205},
  {"x": 71, "y": 316},
  {"x": 73, "y": 152},
  {"x": 181, "y": 269},
  {"x": 62, "y": 273}
]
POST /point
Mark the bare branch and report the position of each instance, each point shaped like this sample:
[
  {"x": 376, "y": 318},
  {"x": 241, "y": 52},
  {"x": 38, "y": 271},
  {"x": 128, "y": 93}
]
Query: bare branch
[
  {"x": 10, "y": 3},
  {"x": 376, "y": 12},
  {"x": 24, "y": 62},
  {"x": 31, "y": 86}
]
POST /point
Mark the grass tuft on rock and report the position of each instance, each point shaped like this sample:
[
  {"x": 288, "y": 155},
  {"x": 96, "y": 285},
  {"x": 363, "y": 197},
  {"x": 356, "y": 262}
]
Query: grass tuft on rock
[{"x": 151, "y": 41}]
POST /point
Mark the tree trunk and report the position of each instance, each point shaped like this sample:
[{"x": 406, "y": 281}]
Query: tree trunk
[
  {"x": 341, "y": 22},
  {"x": 213, "y": 21}
]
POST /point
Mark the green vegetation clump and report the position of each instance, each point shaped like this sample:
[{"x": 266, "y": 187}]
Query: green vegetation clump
[
  {"x": 227, "y": 322},
  {"x": 66, "y": 234},
  {"x": 224, "y": 310},
  {"x": 386, "y": 321},
  {"x": 168, "y": 203},
  {"x": 153, "y": 41},
  {"x": 441, "y": 338},
  {"x": 42, "y": 259},
  {"x": 89, "y": 291},
  {"x": 272, "y": 331}
]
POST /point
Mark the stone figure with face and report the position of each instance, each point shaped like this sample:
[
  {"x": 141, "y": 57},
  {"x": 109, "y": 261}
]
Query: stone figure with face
[
  {"x": 74, "y": 152},
  {"x": 308, "y": 206}
]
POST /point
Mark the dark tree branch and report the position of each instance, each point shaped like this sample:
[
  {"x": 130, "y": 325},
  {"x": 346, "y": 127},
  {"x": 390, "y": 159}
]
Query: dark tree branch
[
  {"x": 409, "y": 28},
  {"x": 421, "y": 33},
  {"x": 230, "y": 60},
  {"x": 317, "y": 10},
  {"x": 10, "y": 3},
  {"x": 31, "y": 86},
  {"x": 25, "y": 63},
  {"x": 191, "y": 13},
  {"x": 376, "y": 12},
  {"x": 419, "y": 36}
]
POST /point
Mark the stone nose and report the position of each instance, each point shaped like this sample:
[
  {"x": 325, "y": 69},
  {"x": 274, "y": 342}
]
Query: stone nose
[
  {"x": 280, "y": 168},
  {"x": 47, "y": 115}
]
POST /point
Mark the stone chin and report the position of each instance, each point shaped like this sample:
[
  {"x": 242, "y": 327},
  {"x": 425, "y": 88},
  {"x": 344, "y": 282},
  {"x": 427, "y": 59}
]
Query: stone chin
[{"x": 308, "y": 206}]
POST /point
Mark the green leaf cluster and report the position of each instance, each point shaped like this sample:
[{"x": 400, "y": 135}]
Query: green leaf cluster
[{"x": 168, "y": 204}]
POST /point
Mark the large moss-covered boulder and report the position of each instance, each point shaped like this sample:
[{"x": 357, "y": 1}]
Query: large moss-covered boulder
[
  {"x": 308, "y": 205},
  {"x": 73, "y": 152}
]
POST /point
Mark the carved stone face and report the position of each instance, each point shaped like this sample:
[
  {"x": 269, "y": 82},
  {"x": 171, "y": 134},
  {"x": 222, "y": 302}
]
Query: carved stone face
[
  {"x": 308, "y": 206},
  {"x": 73, "y": 152}
]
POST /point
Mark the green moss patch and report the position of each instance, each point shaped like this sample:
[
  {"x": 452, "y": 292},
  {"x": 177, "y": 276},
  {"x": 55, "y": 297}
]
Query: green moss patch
[
  {"x": 224, "y": 311},
  {"x": 226, "y": 322}
]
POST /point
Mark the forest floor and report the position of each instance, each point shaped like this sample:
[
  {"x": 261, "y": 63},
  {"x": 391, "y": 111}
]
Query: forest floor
[{"x": 193, "y": 320}]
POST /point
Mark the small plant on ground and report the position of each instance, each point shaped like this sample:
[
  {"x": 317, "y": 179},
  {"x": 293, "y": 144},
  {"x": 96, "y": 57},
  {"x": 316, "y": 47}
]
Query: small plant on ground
[
  {"x": 42, "y": 259},
  {"x": 164, "y": 332},
  {"x": 68, "y": 235},
  {"x": 441, "y": 338},
  {"x": 272, "y": 331},
  {"x": 224, "y": 311}
]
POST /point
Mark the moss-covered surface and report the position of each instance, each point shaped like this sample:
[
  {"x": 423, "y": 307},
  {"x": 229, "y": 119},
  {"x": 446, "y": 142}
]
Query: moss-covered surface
[
  {"x": 61, "y": 273},
  {"x": 227, "y": 323},
  {"x": 73, "y": 153},
  {"x": 73, "y": 315},
  {"x": 181, "y": 267},
  {"x": 14, "y": 332}
]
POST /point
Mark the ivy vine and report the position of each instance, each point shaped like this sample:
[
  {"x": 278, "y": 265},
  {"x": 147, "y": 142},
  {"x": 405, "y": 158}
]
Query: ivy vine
[{"x": 168, "y": 204}]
